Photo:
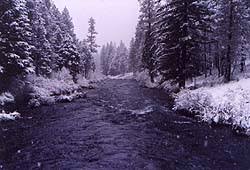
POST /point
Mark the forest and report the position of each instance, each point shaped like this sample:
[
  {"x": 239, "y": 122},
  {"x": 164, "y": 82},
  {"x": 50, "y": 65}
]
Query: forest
[
  {"x": 181, "y": 40},
  {"x": 171, "y": 98},
  {"x": 37, "y": 38},
  {"x": 37, "y": 41},
  {"x": 176, "y": 40}
]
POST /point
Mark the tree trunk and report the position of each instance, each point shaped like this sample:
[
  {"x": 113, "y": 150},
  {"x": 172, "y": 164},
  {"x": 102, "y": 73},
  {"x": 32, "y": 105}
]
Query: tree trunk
[
  {"x": 182, "y": 82},
  {"x": 229, "y": 47},
  {"x": 152, "y": 78},
  {"x": 183, "y": 57}
]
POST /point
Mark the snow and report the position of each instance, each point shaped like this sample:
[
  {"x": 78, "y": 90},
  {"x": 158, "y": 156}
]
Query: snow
[
  {"x": 10, "y": 116},
  {"x": 60, "y": 87},
  {"x": 125, "y": 76},
  {"x": 71, "y": 97},
  {"x": 146, "y": 110},
  {"x": 5, "y": 98},
  {"x": 82, "y": 81},
  {"x": 203, "y": 81},
  {"x": 39, "y": 164},
  {"x": 1, "y": 69},
  {"x": 225, "y": 103},
  {"x": 97, "y": 76},
  {"x": 144, "y": 79}
]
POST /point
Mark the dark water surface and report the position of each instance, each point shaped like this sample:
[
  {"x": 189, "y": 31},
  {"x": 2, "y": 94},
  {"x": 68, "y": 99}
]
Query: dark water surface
[{"x": 118, "y": 126}]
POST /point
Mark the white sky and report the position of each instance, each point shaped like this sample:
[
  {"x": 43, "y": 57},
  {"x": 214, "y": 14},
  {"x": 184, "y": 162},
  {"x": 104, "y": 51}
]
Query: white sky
[{"x": 115, "y": 19}]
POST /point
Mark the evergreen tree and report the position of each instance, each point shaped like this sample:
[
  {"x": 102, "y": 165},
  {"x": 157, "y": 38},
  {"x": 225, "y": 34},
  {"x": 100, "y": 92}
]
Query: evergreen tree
[
  {"x": 119, "y": 63},
  {"x": 108, "y": 53},
  {"x": 103, "y": 56},
  {"x": 182, "y": 27},
  {"x": 70, "y": 57},
  {"x": 36, "y": 37},
  {"x": 91, "y": 41},
  {"x": 132, "y": 56},
  {"x": 147, "y": 18},
  {"x": 85, "y": 58},
  {"x": 67, "y": 25},
  {"x": 15, "y": 39},
  {"x": 42, "y": 53},
  {"x": 233, "y": 33},
  {"x": 56, "y": 35},
  {"x": 114, "y": 60},
  {"x": 138, "y": 45}
]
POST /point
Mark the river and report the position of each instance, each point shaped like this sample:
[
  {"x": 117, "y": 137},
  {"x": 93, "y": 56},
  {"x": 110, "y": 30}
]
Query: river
[{"x": 120, "y": 125}]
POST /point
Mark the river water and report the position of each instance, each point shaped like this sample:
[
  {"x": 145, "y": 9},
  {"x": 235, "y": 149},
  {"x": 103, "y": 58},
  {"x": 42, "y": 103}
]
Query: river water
[{"x": 118, "y": 126}]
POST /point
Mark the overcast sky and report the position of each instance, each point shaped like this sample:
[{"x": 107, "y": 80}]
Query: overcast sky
[{"x": 115, "y": 19}]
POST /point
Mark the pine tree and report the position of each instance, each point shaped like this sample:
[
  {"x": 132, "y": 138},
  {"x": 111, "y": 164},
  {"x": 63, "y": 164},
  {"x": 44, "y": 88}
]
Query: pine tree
[
  {"x": 132, "y": 56},
  {"x": 85, "y": 58},
  {"x": 55, "y": 34},
  {"x": 36, "y": 37},
  {"x": 91, "y": 41},
  {"x": 138, "y": 45},
  {"x": 182, "y": 25},
  {"x": 233, "y": 32},
  {"x": 147, "y": 18},
  {"x": 108, "y": 54},
  {"x": 70, "y": 57},
  {"x": 67, "y": 25},
  {"x": 103, "y": 56},
  {"x": 119, "y": 63},
  {"x": 43, "y": 52},
  {"x": 15, "y": 39}
]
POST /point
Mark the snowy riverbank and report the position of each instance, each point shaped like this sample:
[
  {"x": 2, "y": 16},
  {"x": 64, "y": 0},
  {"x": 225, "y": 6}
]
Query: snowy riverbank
[
  {"x": 38, "y": 90},
  {"x": 9, "y": 116},
  {"x": 225, "y": 103},
  {"x": 5, "y": 99},
  {"x": 59, "y": 88},
  {"x": 213, "y": 101}
]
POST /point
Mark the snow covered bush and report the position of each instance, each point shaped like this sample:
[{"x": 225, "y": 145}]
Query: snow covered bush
[
  {"x": 57, "y": 88},
  {"x": 144, "y": 79},
  {"x": 97, "y": 76},
  {"x": 169, "y": 87},
  {"x": 5, "y": 98},
  {"x": 82, "y": 81},
  {"x": 62, "y": 75},
  {"x": 203, "y": 81},
  {"x": 228, "y": 103}
]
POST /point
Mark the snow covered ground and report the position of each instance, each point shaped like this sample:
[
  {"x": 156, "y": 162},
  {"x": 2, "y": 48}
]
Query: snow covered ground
[
  {"x": 212, "y": 101},
  {"x": 125, "y": 76},
  {"x": 9, "y": 116},
  {"x": 5, "y": 98},
  {"x": 141, "y": 77},
  {"x": 60, "y": 87},
  {"x": 203, "y": 81},
  {"x": 225, "y": 103},
  {"x": 144, "y": 79},
  {"x": 97, "y": 76}
]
